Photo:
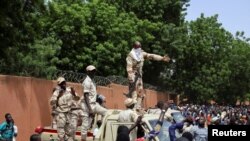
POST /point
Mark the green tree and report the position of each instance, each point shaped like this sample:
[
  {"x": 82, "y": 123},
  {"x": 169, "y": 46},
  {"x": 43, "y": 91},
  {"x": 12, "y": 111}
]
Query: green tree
[
  {"x": 238, "y": 87},
  {"x": 41, "y": 59},
  {"x": 98, "y": 34},
  {"x": 167, "y": 11},
  {"x": 168, "y": 36},
  {"x": 21, "y": 38},
  {"x": 202, "y": 67}
]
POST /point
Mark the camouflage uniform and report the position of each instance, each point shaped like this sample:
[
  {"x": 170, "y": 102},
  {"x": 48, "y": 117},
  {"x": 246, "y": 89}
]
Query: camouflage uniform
[
  {"x": 90, "y": 87},
  {"x": 135, "y": 63},
  {"x": 62, "y": 106},
  {"x": 54, "y": 112},
  {"x": 76, "y": 113}
]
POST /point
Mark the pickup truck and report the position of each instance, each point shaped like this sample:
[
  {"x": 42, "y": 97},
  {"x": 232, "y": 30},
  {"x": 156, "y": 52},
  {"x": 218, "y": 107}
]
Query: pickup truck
[{"x": 108, "y": 129}]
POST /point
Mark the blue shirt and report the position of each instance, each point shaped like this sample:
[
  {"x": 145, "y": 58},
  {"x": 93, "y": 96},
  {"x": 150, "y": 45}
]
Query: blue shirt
[
  {"x": 200, "y": 134},
  {"x": 172, "y": 129},
  {"x": 6, "y": 130}
]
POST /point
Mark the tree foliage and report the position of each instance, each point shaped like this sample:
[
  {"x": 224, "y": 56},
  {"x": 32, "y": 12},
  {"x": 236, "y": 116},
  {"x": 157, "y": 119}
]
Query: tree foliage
[
  {"x": 207, "y": 69},
  {"x": 167, "y": 11}
]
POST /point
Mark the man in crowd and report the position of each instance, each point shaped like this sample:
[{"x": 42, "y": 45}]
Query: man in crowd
[
  {"x": 89, "y": 105},
  {"x": 158, "y": 108},
  {"x": 7, "y": 128},
  {"x": 200, "y": 132},
  {"x": 135, "y": 60}
]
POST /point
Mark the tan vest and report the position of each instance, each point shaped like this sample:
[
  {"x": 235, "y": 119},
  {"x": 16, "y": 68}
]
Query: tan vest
[{"x": 64, "y": 102}]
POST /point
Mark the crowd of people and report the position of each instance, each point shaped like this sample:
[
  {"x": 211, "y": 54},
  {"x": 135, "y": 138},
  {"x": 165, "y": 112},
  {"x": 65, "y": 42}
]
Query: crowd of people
[
  {"x": 218, "y": 114},
  {"x": 199, "y": 117}
]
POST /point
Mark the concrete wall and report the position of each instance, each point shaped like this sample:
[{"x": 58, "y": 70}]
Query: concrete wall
[{"x": 27, "y": 100}]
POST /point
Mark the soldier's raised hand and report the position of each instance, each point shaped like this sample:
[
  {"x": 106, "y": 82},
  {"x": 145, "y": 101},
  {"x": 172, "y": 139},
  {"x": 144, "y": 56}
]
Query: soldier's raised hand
[{"x": 91, "y": 113}]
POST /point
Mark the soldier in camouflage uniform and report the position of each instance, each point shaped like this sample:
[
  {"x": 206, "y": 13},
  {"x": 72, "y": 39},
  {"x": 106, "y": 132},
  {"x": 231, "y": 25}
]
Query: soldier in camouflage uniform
[
  {"x": 53, "y": 107},
  {"x": 61, "y": 102},
  {"x": 135, "y": 60}
]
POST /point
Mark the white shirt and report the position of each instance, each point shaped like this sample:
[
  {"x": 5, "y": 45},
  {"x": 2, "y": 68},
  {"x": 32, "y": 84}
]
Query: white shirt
[
  {"x": 15, "y": 132},
  {"x": 90, "y": 87},
  {"x": 127, "y": 116}
]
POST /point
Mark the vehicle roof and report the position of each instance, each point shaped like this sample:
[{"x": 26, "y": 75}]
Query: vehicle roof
[{"x": 114, "y": 114}]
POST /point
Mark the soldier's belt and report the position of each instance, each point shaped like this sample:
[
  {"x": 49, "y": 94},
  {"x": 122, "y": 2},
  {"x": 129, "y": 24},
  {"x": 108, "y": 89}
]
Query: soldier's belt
[{"x": 72, "y": 109}]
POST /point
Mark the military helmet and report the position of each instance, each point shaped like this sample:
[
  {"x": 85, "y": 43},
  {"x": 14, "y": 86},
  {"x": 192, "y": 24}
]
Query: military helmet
[
  {"x": 90, "y": 68},
  {"x": 60, "y": 80},
  {"x": 129, "y": 101}
]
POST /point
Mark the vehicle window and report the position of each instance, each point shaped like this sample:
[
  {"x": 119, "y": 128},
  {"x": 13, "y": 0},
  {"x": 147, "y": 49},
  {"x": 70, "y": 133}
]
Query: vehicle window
[
  {"x": 164, "y": 134},
  {"x": 178, "y": 117}
]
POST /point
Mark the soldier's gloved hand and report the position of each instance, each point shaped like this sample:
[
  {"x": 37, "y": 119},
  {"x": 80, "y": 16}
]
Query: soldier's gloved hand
[
  {"x": 139, "y": 119},
  {"x": 165, "y": 58},
  {"x": 76, "y": 98},
  {"x": 91, "y": 113}
]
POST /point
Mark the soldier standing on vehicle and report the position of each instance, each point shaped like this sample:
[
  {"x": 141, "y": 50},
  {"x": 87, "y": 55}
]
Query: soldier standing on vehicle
[
  {"x": 135, "y": 60},
  {"x": 61, "y": 102},
  {"x": 89, "y": 105},
  {"x": 53, "y": 109}
]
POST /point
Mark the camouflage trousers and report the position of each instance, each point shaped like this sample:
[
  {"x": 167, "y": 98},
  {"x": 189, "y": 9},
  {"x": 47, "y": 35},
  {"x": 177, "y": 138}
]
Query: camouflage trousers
[
  {"x": 54, "y": 115},
  {"x": 53, "y": 124},
  {"x": 138, "y": 93},
  {"x": 62, "y": 123},
  {"x": 73, "y": 122},
  {"x": 87, "y": 120}
]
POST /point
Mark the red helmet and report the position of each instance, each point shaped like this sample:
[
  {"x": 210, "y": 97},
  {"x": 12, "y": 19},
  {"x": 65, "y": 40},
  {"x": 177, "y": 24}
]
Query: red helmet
[{"x": 137, "y": 44}]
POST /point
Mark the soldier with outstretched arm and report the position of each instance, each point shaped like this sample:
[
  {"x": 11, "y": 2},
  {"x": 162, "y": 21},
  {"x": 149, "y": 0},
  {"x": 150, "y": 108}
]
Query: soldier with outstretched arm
[{"x": 135, "y": 61}]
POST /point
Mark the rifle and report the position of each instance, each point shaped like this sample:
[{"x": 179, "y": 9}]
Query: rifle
[
  {"x": 61, "y": 91},
  {"x": 132, "y": 86},
  {"x": 138, "y": 121},
  {"x": 151, "y": 135},
  {"x": 73, "y": 93}
]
